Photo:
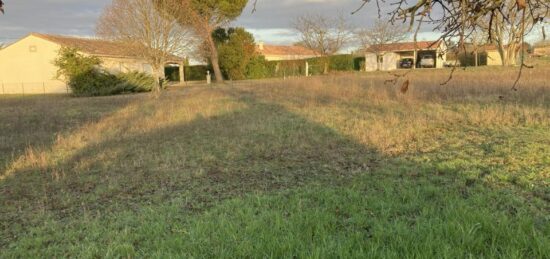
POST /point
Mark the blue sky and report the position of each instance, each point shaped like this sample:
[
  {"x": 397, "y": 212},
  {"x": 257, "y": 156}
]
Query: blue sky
[{"x": 271, "y": 23}]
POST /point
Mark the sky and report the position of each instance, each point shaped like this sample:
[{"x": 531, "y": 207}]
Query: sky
[{"x": 271, "y": 23}]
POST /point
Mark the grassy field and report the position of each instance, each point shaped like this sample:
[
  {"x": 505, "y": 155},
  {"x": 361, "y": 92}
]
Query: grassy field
[{"x": 337, "y": 166}]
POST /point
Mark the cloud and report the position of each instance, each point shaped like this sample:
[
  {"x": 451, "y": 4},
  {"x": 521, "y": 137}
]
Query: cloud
[
  {"x": 49, "y": 16},
  {"x": 272, "y": 21}
]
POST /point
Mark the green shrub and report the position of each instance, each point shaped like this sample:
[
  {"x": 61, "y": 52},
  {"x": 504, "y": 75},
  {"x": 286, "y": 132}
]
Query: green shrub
[
  {"x": 70, "y": 63},
  {"x": 94, "y": 83},
  {"x": 197, "y": 73},
  {"x": 341, "y": 63},
  {"x": 135, "y": 82},
  {"x": 286, "y": 68},
  {"x": 236, "y": 49},
  {"x": 358, "y": 63},
  {"x": 257, "y": 68},
  {"x": 84, "y": 77}
]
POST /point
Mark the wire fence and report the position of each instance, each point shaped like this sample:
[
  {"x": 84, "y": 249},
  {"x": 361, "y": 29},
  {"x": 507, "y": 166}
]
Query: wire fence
[{"x": 33, "y": 88}]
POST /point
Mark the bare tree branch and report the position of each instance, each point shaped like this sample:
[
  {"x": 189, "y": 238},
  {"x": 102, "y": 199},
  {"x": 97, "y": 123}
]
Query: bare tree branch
[
  {"x": 156, "y": 36},
  {"x": 325, "y": 35}
]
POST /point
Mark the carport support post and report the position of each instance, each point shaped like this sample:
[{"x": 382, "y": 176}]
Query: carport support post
[
  {"x": 414, "y": 59},
  {"x": 307, "y": 69}
]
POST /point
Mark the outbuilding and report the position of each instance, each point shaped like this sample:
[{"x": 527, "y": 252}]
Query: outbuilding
[{"x": 405, "y": 55}]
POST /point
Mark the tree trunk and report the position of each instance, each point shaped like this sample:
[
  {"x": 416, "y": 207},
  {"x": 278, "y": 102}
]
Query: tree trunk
[
  {"x": 214, "y": 59},
  {"x": 158, "y": 74},
  {"x": 502, "y": 54},
  {"x": 512, "y": 54}
]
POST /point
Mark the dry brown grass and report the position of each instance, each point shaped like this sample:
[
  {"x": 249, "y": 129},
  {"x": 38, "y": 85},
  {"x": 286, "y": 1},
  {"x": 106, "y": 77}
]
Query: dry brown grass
[{"x": 385, "y": 118}]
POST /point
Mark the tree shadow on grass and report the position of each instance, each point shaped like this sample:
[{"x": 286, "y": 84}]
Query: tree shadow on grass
[
  {"x": 36, "y": 121},
  {"x": 261, "y": 148}
]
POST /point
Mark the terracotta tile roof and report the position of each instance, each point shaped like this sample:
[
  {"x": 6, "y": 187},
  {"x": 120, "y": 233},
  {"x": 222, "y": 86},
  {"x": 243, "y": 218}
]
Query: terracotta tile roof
[
  {"x": 275, "y": 50},
  {"x": 493, "y": 47},
  {"x": 95, "y": 46},
  {"x": 405, "y": 46}
]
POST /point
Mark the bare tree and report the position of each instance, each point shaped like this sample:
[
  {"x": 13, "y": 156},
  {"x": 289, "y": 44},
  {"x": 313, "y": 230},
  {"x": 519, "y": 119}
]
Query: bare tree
[
  {"x": 322, "y": 34},
  {"x": 456, "y": 18},
  {"x": 382, "y": 32},
  {"x": 506, "y": 29},
  {"x": 1, "y": 6},
  {"x": 156, "y": 36},
  {"x": 477, "y": 38}
]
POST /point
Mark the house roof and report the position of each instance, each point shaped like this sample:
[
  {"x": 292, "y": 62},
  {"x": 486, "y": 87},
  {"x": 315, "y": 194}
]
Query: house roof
[
  {"x": 405, "y": 46},
  {"x": 542, "y": 44},
  {"x": 277, "y": 50},
  {"x": 493, "y": 47},
  {"x": 95, "y": 46}
]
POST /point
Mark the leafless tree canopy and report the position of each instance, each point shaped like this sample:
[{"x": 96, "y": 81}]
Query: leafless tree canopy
[
  {"x": 455, "y": 18},
  {"x": 1, "y": 6},
  {"x": 323, "y": 34},
  {"x": 155, "y": 35},
  {"x": 381, "y": 32}
]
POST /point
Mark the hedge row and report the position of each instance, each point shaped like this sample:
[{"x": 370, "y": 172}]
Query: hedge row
[{"x": 260, "y": 68}]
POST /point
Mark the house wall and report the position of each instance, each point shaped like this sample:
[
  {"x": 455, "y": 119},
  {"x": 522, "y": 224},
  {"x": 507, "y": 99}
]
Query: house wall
[
  {"x": 26, "y": 67},
  {"x": 370, "y": 62},
  {"x": 541, "y": 51},
  {"x": 441, "y": 57},
  {"x": 390, "y": 61},
  {"x": 116, "y": 65},
  {"x": 493, "y": 58}
]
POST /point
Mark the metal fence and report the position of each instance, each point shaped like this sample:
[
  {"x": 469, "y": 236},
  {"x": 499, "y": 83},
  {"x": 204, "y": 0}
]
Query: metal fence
[{"x": 33, "y": 88}]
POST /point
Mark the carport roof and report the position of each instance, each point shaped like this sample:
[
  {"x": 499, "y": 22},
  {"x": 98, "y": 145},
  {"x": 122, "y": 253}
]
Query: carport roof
[{"x": 405, "y": 46}]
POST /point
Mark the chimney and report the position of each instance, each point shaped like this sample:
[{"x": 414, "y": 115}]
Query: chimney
[{"x": 261, "y": 45}]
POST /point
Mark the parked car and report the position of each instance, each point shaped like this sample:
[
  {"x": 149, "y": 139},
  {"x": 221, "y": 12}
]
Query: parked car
[
  {"x": 406, "y": 63},
  {"x": 427, "y": 61},
  {"x": 452, "y": 63}
]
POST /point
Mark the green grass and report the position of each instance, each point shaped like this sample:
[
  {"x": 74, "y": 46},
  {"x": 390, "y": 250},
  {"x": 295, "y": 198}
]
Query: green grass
[{"x": 329, "y": 167}]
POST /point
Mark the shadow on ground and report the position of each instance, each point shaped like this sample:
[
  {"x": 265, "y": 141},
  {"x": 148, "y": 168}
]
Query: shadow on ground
[{"x": 260, "y": 149}]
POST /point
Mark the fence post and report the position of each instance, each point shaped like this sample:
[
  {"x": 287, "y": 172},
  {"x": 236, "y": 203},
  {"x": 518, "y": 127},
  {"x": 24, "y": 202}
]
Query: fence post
[
  {"x": 307, "y": 69},
  {"x": 23, "y": 88}
]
